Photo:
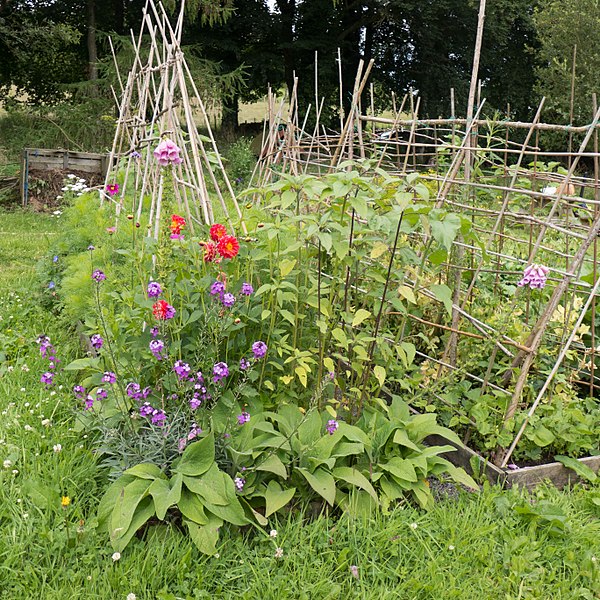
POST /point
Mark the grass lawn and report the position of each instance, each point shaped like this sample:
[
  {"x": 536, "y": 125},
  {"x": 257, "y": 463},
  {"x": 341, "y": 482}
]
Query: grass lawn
[{"x": 504, "y": 545}]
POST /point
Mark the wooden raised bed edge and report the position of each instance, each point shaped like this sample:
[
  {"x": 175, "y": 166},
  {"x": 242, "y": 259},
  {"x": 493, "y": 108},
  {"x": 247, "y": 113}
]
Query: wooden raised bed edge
[{"x": 528, "y": 477}]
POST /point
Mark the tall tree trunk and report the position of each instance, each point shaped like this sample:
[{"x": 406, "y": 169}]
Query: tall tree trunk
[
  {"x": 231, "y": 108},
  {"x": 92, "y": 47}
]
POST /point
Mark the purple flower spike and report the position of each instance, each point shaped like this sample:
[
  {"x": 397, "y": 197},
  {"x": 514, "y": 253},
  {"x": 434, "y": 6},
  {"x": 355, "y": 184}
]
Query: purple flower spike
[
  {"x": 109, "y": 377},
  {"x": 195, "y": 402},
  {"x": 239, "y": 483},
  {"x": 182, "y": 369},
  {"x": 244, "y": 364},
  {"x": 157, "y": 347},
  {"x": 89, "y": 402},
  {"x": 228, "y": 300},
  {"x": 96, "y": 341},
  {"x": 247, "y": 289},
  {"x": 154, "y": 289},
  {"x": 259, "y": 349},
  {"x": 98, "y": 276},
  {"x": 220, "y": 371},
  {"x": 133, "y": 390},
  {"x": 158, "y": 418},
  {"x": 243, "y": 418},
  {"x": 534, "y": 276},
  {"x": 47, "y": 378},
  {"x": 217, "y": 288},
  {"x": 101, "y": 394},
  {"x": 154, "y": 332},
  {"x": 79, "y": 391},
  {"x": 146, "y": 410},
  {"x": 332, "y": 426}
]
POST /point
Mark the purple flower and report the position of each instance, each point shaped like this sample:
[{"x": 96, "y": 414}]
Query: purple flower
[
  {"x": 154, "y": 332},
  {"x": 195, "y": 431},
  {"x": 146, "y": 410},
  {"x": 158, "y": 418},
  {"x": 195, "y": 402},
  {"x": 133, "y": 390},
  {"x": 243, "y": 418},
  {"x": 247, "y": 289},
  {"x": 55, "y": 258},
  {"x": 96, "y": 341},
  {"x": 220, "y": 371},
  {"x": 182, "y": 369},
  {"x": 135, "y": 154},
  {"x": 244, "y": 364},
  {"x": 239, "y": 483},
  {"x": 47, "y": 378},
  {"x": 259, "y": 349},
  {"x": 200, "y": 377},
  {"x": 156, "y": 347},
  {"x": 98, "y": 276},
  {"x": 101, "y": 394},
  {"x": 51, "y": 285},
  {"x": 109, "y": 377},
  {"x": 332, "y": 426},
  {"x": 228, "y": 300},
  {"x": 91, "y": 248},
  {"x": 534, "y": 276},
  {"x": 89, "y": 402},
  {"x": 154, "y": 289},
  {"x": 217, "y": 288},
  {"x": 146, "y": 392},
  {"x": 79, "y": 391}
]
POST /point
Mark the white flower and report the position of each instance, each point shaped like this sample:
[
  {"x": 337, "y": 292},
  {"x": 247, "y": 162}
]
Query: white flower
[
  {"x": 46, "y": 422},
  {"x": 25, "y": 368},
  {"x": 26, "y": 515},
  {"x": 15, "y": 471},
  {"x": 10, "y": 368},
  {"x": 7, "y": 464},
  {"x": 28, "y": 428},
  {"x": 279, "y": 553},
  {"x": 354, "y": 571},
  {"x": 273, "y": 533},
  {"x": 131, "y": 596},
  {"x": 23, "y": 390},
  {"x": 413, "y": 525},
  {"x": 116, "y": 556},
  {"x": 450, "y": 547},
  {"x": 57, "y": 447}
]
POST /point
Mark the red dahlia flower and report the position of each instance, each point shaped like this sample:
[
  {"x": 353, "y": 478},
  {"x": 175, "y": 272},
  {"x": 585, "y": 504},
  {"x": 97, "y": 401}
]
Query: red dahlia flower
[
  {"x": 163, "y": 310},
  {"x": 228, "y": 246},
  {"x": 217, "y": 231},
  {"x": 177, "y": 224},
  {"x": 210, "y": 251}
]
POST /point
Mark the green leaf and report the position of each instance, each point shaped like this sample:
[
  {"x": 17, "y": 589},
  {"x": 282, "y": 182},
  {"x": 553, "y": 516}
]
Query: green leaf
[
  {"x": 444, "y": 294},
  {"x": 542, "y": 436},
  {"x": 356, "y": 478},
  {"x": 402, "y": 439},
  {"x": 360, "y": 316},
  {"x": 233, "y": 511},
  {"x": 379, "y": 373},
  {"x": 211, "y": 485},
  {"x": 407, "y": 293},
  {"x": 580, "y": 468},
  {"x": 274, "y": 465},
  {"x": 145, "y": 471},
  {"x": 321, "y": 482},
  {"x": 144, "y": 511},
  {"x": 83, "y": 363},
  {"x": 445, "y": 231},
  {"x": 286, "y": 266},
  {"x": 160, "y": 491},
  {"x": 109, "y": 500},
  {"x": 205, "y": 537},
  {"x": 401, "y": 468},
  {"x": 379, "y": 249},
  {"x": 125, "y": 507},
  {"x": 191, "y": 507},
  {"x": 461, "y": 476},
  {"x": 197, "y": 457},
  {"x": 276, "y": 497}
]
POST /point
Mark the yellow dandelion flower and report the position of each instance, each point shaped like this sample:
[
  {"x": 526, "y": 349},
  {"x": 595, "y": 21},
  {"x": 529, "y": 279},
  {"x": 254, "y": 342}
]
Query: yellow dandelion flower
[{"x": 65, "y": 501}]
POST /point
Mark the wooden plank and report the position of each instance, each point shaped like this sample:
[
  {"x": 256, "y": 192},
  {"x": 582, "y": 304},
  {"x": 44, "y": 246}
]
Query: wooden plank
[
  {"x": 556, "y": 473},
  {"x": 59, "y": 153}
]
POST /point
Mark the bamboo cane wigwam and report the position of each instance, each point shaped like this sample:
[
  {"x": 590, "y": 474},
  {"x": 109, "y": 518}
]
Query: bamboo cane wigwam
[{"x": 527, "y": 205}]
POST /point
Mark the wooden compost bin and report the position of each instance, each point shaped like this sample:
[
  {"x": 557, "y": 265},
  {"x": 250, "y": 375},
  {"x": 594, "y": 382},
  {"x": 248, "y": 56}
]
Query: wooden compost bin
[{"x": 42, "y": 159}]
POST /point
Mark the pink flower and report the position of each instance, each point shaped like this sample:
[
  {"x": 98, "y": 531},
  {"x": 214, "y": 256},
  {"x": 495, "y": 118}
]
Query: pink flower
[
  {"x": 112, "y": 189},
  {"x": 167, "y": 152},
  {"x": 534, "y": 276}
]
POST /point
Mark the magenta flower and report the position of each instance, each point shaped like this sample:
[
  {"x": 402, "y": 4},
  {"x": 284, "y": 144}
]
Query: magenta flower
[
  {"x": 332, "y": 426},
  {"x": 98, "y": 276},
  {"x": 89, "y": 402},
  {"x": 158, "y": 418},
  {"x": 112, "y": 189},
  {"x": 182, "y": 369},
  {"x": 79, "y": 391},
  {"x": 101, "y": 394},
  {"x": 534, "y": 276},
  {"x": 167, "y": 152},
  {"x": 154, "y": 289},
  {"x": 157, "y": 347},
  {"x": 217, "y": 288},
  {"x": 134, "y": 391},
  {"x": 244, "y": 364},
  {"x": 259, "y": 349},
  {"x": 247, "y": 289},
  {"x": 146, "y": 409}
]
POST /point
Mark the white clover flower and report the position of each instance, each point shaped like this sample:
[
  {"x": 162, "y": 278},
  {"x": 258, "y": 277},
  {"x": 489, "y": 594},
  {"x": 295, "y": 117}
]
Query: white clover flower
[
  {"x": 413, "y": 525},
  {"x": 131, "y": 596},
  {"x": 46, "y": 422},
  {"x": 450, "y": 547},
  {"x": 10, "y": 368},
  {"x": 15, "y": 471},
  {"x": 273, "y": 533},
  {"x": 28, "y": 428},
  {"x": 57, "y": 448},
  {"x": 7, "y": 464},
  {"x": 278, "y": 553},
  {"x": 116, "y": 556}
]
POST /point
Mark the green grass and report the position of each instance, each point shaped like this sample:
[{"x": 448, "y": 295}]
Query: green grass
[{"x": 476, "y": 546}]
